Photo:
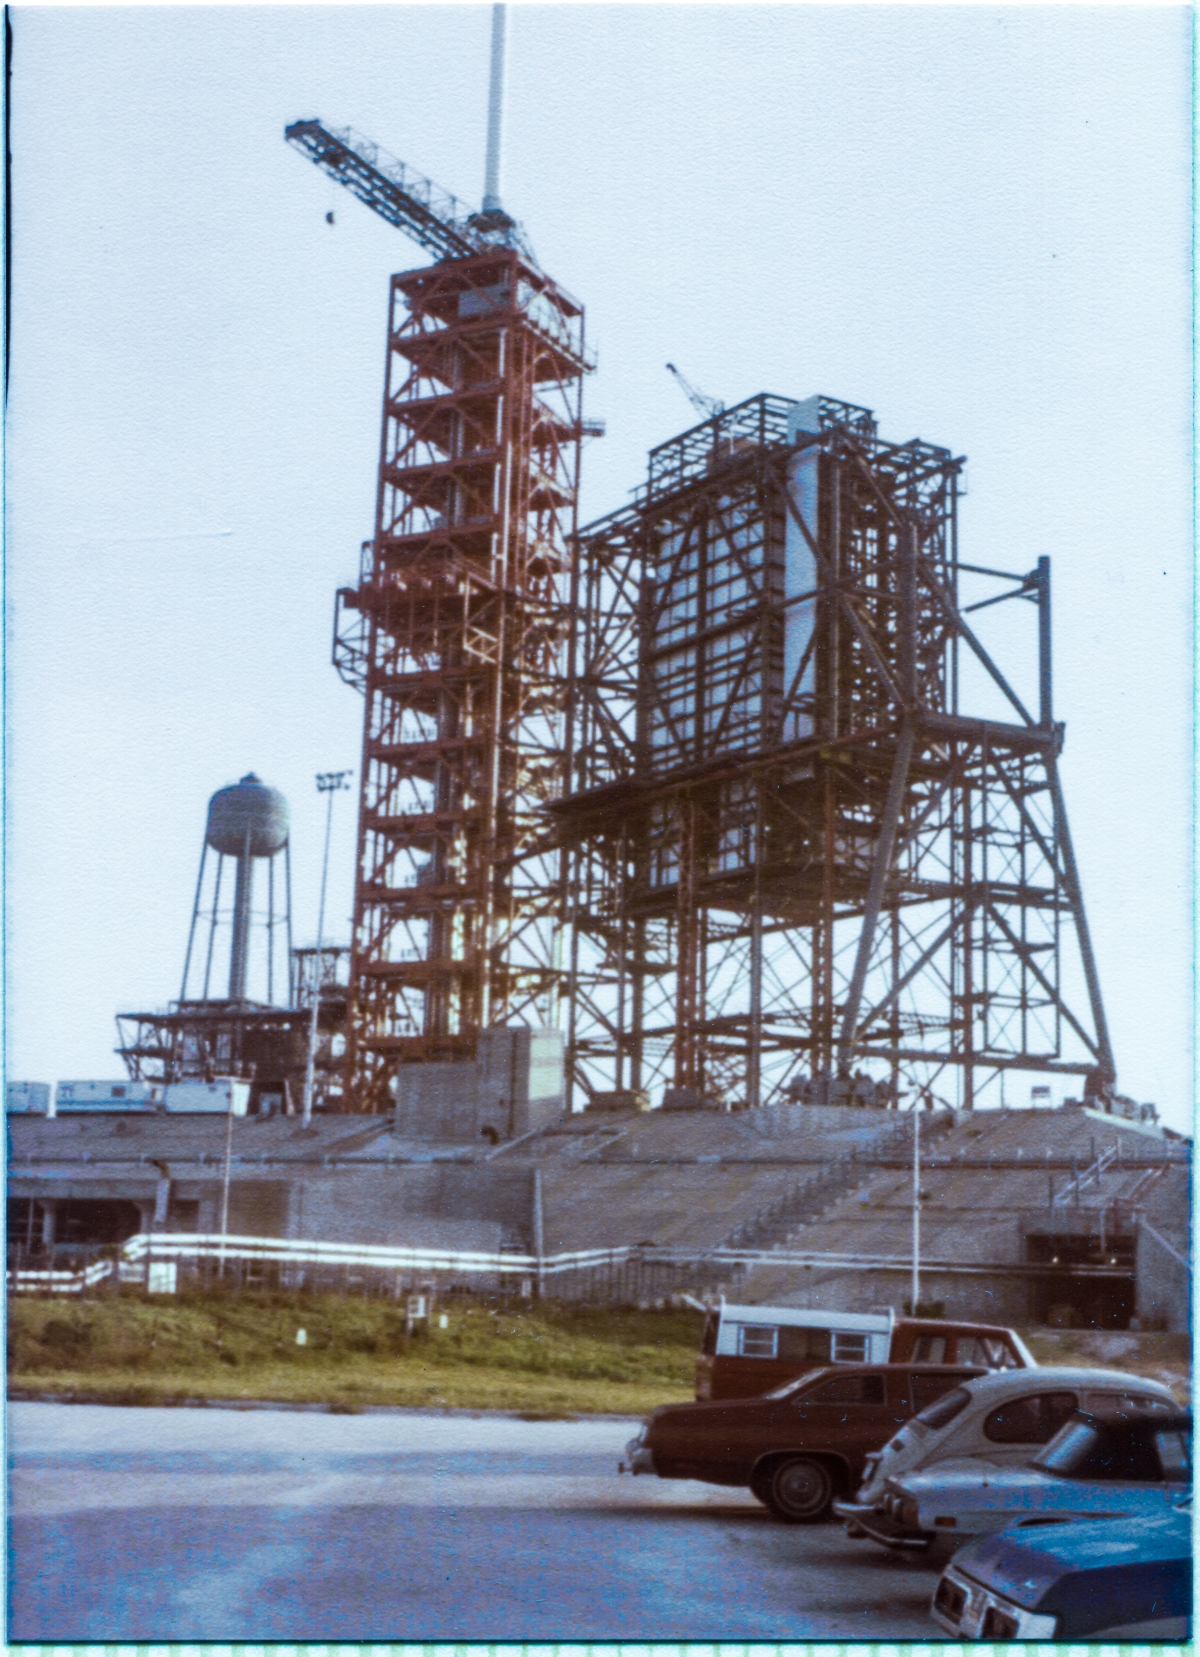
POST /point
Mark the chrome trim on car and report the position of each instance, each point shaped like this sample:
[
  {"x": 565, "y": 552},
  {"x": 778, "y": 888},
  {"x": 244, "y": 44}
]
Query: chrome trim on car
[
  {"x": 967, "y": 1610},
  {"x": 637, "y": 1458}
]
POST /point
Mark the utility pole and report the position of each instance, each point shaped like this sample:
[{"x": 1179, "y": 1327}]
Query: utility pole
[
  {"x": 916, "y": 1204},
  {"x": 328, "y": 783},
  {"x": 225, "y": 1177}
]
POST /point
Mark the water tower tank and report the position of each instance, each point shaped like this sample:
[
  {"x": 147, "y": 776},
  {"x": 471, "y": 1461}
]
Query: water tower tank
[{"x": 249, "y": 807}]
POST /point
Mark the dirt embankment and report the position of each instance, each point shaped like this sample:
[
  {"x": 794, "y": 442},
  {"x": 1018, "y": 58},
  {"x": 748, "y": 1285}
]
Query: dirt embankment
[{"x": 1160, "y": 1357}]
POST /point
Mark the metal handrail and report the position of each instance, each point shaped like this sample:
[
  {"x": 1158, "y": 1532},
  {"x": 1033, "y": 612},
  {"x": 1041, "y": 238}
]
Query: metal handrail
[{"x": 178, "y": 1247}]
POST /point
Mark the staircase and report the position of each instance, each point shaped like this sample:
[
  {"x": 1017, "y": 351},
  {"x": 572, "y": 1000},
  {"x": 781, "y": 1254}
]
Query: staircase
[{"x": 771, "y": 1227}]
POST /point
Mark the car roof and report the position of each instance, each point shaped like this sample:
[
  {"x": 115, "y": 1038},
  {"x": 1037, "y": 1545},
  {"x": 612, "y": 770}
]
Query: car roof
[
  {"x": 999, "y": 1383},
  {"x": 1179, "y": 1422},
  {"x": 963, "y": 1372},
  {"x": 952, "y": 1326}
]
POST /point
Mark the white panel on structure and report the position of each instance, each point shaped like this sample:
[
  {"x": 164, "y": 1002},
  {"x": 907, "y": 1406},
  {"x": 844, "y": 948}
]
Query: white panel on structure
[{"x": 800, "y": 574}]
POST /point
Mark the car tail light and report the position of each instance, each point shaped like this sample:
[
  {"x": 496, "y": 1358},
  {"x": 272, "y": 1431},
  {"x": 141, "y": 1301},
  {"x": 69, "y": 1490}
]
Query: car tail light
[
  {"x": 949, "y": 1599},
  {"x": 945, "y": 1521},
  {"x": 997, "y": 1625}
]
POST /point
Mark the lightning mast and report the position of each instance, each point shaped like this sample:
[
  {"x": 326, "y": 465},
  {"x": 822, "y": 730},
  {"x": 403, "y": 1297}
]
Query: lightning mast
[{"x": 456, "y": 628}]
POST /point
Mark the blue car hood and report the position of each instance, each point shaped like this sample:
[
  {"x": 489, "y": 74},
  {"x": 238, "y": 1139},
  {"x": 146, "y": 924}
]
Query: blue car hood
[{"x": 1024, "y": 1564}]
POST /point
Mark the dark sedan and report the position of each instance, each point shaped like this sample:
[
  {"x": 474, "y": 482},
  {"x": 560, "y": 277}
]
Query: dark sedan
[{"x": 795, "y": 1448}]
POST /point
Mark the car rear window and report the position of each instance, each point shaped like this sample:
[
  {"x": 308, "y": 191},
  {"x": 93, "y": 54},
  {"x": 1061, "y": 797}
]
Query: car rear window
[
  {"x": 988, "y": 1351},
  {"x": 929, "y": 1349},
  {"x": 942, "y": 1412},
  {"x": 848, "y": 1389},
  {"x": 1033, "y": 1419},
  {"x": 1087, "y": 1450}
]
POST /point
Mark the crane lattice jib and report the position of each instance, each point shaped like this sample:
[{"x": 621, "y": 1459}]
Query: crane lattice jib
[{"x": 423, "y": 210}]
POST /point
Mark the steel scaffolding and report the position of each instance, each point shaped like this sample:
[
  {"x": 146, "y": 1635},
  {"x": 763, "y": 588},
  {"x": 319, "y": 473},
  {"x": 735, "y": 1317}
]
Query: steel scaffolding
[
  {"x": 456, "y": 634},
  {"x": 818, "y": 842}
]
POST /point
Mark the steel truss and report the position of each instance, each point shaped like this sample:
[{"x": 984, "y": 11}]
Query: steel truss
[
  {"x": 796, "y": 862},
  {"x": 456, "y": 634}
]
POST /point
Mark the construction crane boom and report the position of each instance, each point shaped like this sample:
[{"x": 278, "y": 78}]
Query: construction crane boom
[
  {"x": 709, "y": 407},
  {"x": 435, "y": 219}
]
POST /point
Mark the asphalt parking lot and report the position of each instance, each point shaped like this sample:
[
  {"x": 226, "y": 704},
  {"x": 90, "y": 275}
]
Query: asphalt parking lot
[{"x": 266, "y": 1525}]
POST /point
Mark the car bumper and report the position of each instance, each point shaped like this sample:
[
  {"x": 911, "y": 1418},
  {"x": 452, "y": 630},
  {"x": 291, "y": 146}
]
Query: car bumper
[
  {"x": 969, "y": 1611},
  {"x": 637, "y": 1459},
  {"x": 863, "y": 1519}
]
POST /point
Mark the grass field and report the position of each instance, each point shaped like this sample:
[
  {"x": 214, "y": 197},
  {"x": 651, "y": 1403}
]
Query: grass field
[
  {"x": 1162, "y": 1357},
  {"x": 545, "y": 1360}
]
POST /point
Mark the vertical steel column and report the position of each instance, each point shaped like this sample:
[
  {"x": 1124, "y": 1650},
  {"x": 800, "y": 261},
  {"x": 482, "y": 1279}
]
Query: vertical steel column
[
  {"x": 242, "y": 892},
  {"x": 754, "y": 1029},
  {"x": 637, "y": 1011},
  {"x": 1045, "y": 659},
  {"x": 822, "y": 954},
  {"x": 187, "y": 959},
  {"x": 880, "y": 869},
  {"x": 212, "y": 930},
  {"x": 686, "y": 937},
  {"x": 1104, "y": 1053},
  {"x": 968, "y": 952}
]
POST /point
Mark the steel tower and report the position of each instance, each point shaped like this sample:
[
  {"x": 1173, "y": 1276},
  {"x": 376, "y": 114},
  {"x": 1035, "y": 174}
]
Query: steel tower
[
  {"x": 456, "y": 629},
  {"x": 819, "y": 841}
]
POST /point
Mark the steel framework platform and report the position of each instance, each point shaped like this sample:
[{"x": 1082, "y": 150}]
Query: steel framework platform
[{"x": 818, "y": 841}]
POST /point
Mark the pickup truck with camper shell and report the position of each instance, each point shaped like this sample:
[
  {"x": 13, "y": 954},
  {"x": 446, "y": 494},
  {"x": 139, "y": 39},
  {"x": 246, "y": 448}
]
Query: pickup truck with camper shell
[{"x": 750, "y": 1350}]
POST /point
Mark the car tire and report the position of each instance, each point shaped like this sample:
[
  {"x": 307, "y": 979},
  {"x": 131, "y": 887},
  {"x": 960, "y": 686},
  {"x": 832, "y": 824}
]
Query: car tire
[{"x": 798, "y": 1490}]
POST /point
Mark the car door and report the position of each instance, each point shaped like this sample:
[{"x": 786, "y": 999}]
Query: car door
[{"x": 850, "y": 1414}]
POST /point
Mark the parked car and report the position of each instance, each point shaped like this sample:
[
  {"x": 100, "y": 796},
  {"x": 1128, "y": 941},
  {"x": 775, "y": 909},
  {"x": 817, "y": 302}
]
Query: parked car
[
  {"x": 1098, "y": 1466},
  {"x": 997, "y": 1421},
  {"x": 1098, "y": 1579},
  {"x": 750, "y": 1350},
  {"x": 797, "y": 1447}
]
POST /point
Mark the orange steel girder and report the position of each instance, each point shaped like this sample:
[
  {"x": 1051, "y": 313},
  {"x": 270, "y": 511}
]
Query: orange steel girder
[{"x": 456, "y": 634}]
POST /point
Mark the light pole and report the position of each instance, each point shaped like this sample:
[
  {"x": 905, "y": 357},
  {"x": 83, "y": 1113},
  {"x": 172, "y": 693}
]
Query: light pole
[
  {"x": 916, "y": 1204},
  {"x": 328, "y": 783}
]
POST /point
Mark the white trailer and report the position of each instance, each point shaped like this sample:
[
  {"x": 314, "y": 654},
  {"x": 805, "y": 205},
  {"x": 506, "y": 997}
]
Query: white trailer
[{"x": 224, "y": 1095}]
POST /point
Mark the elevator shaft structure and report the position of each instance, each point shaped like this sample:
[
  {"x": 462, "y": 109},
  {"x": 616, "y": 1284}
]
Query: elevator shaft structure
[
  {"x": 455, "y": 633},
  {"x": 818, "y": 840}
]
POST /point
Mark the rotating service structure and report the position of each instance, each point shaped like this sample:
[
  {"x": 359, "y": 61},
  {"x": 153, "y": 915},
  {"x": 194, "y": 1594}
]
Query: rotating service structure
[{"x": 818, "y": 841}]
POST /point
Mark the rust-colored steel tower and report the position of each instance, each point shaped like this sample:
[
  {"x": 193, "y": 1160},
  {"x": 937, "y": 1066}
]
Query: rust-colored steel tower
[{"x": 456, "y": 634}]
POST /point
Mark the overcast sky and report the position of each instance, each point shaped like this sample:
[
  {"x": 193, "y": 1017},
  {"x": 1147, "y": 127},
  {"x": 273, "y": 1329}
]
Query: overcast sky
[{"x": 973, "y": 220}]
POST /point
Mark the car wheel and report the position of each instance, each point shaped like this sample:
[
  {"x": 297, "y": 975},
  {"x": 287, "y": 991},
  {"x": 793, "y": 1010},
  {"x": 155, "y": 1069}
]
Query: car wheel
[{"x": 799, "y": 1490}]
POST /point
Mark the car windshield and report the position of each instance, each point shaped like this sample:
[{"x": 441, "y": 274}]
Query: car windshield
[
  {"x": 944, "y": 1409},
  {"x": 788, "y": 1387}
]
